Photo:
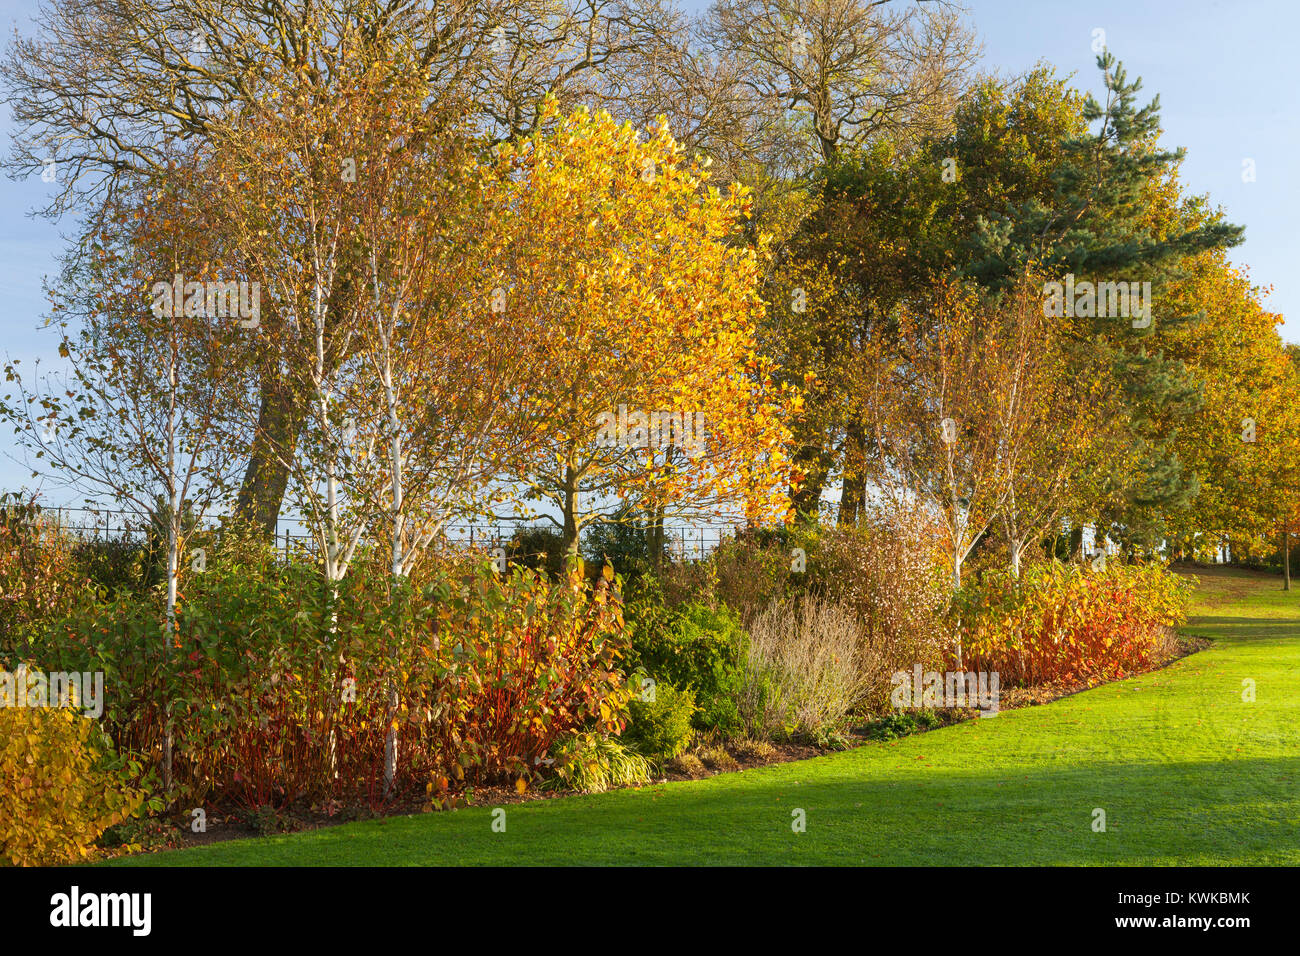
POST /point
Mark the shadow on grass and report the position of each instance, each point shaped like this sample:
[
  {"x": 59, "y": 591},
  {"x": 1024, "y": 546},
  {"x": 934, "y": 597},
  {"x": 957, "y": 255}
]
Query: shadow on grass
[
  {"x": 1241, "y": 627},
  {"x": 1234, "y": 811}
]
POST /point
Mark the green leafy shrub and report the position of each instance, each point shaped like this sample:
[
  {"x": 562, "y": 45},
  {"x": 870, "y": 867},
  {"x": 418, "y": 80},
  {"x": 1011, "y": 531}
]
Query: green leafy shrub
[
  {"x": 694, "y": 647},
  {"x": 144, "y": 833},
  {"x": 661, "y": 728},
  {"x": 61, "y": 788},
  {"x": 901, "y": 724},
  {"x": 928, "y": 719},
  {"x": 267, "y": 821},
  {"x": 113, "y": 565},
  {"x": 625, "y": 542}
]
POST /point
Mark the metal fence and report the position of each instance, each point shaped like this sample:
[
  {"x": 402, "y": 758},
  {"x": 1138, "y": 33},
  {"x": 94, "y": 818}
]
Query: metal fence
[{"x": 100, "y": 523}]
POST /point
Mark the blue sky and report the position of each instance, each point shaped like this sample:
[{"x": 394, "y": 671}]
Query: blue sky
[
  {"x": 1228, "y": 77},
  {"x": 1227, "y": 73}
]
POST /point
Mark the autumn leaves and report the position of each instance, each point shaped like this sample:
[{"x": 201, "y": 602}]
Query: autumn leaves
[{"x": 441, "y": 324}]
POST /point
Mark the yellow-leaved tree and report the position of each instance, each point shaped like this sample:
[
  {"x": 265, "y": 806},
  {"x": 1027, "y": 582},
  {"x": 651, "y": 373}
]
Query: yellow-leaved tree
[
  {"x": 612, "y": 256},
  {"x": 1242, "y": 443}
]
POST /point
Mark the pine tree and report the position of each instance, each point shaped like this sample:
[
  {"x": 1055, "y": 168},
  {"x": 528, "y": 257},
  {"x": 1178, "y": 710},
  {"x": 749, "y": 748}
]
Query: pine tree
[{"x": 1099, "y": 226}]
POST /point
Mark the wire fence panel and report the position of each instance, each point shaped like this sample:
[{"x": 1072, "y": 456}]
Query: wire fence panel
[{"x": 102, "y": 524}]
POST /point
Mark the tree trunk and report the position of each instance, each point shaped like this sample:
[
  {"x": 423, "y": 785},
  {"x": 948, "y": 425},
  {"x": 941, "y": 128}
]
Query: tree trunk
[
  {"x": 657, "y": 535},
  {"x": 854, "y": 487},
  {"x": 390, "y": 740},
  {"x": 956, "y": 581},
  {"x": 1286, "y": 560},
  {"x": 279, "y": 423},
  {"x": 852, "y": 499},
  {"x": 169, "y": 636},
  {"x": 1076, "y": 544},
  {"x": 398, "y": 561},
  {"x": 813, "y": 462},
  {"x": 569, "y": 536},
  {"x": 174, "y": 505}
]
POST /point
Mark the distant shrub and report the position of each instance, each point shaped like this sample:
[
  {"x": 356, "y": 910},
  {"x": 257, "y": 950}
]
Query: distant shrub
[
  {"x": 61, "y": 787},
  {"x": 537, "y": 547},
  {"x": 626, "y": 542},
  {"x": 1064, "y": 622},
  {"x": 114, "y": 565},
  {"x": 661, "y": 728},
  {"x": 746, "y": 573},
  {"x": 39, "y": 575}
]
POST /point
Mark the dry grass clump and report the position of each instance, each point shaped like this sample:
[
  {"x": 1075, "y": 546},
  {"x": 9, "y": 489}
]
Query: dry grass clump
[
  {"x": 806, "y": 669},
  {"x": 717, "y": 758},
  {"x": 687, "y": 764}
]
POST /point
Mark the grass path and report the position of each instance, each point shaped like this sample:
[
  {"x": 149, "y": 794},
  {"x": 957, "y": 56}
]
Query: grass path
[{"x": 1186, "y": 771}]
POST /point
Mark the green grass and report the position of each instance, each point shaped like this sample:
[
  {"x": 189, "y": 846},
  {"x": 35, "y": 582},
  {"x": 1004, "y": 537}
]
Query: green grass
[{"x": 1186, "y": 771}]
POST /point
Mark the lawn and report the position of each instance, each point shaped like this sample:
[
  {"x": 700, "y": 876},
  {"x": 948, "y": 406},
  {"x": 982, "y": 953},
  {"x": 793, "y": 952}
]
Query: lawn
[{"x": 1186, "y": 771}]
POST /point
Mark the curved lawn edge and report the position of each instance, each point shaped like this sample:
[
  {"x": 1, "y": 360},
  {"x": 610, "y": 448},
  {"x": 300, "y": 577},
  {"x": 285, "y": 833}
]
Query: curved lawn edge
[{"x": 1186, "y": 772}]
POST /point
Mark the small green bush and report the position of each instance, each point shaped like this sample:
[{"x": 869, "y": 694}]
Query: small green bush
[
  {"x": 146, "y": 833},
  {"x": 266, "y": 821},
  {"x": 901, "y": 724},
  {"x": 891, "y": 727},
  {"x": 694, "y": 647},
  {"x": 113, "y": 565},
  {"x": 661, "y": 728},
  {"x": 928, "y": 719}
]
